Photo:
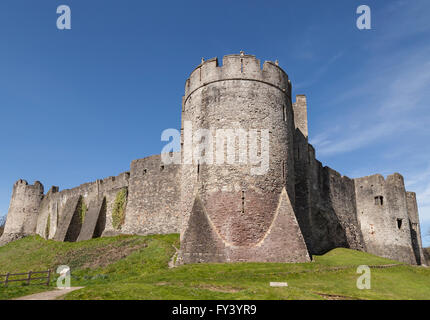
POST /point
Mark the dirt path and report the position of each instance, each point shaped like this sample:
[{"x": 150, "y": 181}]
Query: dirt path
[{"x": 49, "y": 295}]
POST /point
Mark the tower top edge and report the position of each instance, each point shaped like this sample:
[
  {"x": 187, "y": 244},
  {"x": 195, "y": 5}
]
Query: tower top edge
[{"x": 237, "y": 67}]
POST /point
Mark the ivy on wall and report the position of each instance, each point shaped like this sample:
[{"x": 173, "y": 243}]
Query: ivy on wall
[
  {"x": 48, "y": 226},
  {"x": 118, "y": 211},
  {"x": 82, "y": 210}
]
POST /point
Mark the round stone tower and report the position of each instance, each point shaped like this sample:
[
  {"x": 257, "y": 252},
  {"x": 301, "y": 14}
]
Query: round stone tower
[
  {"x": 237, "y": 180},
  {"x": 23, "y": 210}
]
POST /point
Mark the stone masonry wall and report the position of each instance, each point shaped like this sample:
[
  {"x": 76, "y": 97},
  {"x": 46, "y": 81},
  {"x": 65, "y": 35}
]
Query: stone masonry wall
[
  {"x": 239, "y": 207},
  {"x": 411, "y": 204},
  {"x": 333, "y": 210},
  {"x": 383, "y": 216},
  {"x": 54, "y": 203},
  {"x": 227, "y": 212},
  {"x": 23, "y": 210},
  {"x": 154, "y": 198},
  {"x": 302, "y": 169}
]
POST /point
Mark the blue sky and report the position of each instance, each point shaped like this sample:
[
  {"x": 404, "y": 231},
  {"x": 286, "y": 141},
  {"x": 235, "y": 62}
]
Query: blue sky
[{"x": 80, "y": 104}]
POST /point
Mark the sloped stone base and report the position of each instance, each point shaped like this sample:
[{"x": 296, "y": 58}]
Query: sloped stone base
[
  {"x": 66, "y": 218},
  {"x": 90, "y": 222},
  {"x": 283, "y": 241}
]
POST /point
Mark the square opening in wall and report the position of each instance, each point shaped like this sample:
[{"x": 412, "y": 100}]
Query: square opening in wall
[{"x": 379, "y": 200}]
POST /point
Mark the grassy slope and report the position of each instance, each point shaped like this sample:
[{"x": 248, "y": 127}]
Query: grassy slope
[{"x": 133, "y": 267}]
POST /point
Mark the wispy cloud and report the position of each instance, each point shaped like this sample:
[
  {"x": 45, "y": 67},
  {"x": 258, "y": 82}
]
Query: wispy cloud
[
  {"x": 389, "y": 100},
  {"x": 401, "y": 108},
  {"x": 395, "y": 26},
  {"x": 319, "y": 73},
  {"x": 397, "y": 95}
]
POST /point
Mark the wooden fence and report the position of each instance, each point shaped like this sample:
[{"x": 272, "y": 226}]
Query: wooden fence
[{"x": 28, "y": 279}]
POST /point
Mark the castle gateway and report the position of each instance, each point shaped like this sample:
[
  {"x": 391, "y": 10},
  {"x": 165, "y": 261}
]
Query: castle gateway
[{"x": 225, "y": 211}]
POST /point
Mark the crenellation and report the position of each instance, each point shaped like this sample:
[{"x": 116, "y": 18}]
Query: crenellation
[
  {"x": 224, "y": 213},
  {"x": 237, "y": 67},
  {"x": 23, "y": 210},
  {"x": 276, "y": 76}
]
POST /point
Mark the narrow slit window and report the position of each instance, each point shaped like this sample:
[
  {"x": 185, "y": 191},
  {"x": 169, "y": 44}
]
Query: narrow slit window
[
  {"x": 161, "y": 168},
  {"x": 241, "y": 65},
  {"x": 243, "y": 201},
  {"x": 283, "y": 169},
  {"x": 144, "y": 171},
  {"x": 399, "y": 223},
  {"x": 198, "y": 169},
  {"x": 284, "y": 112}
]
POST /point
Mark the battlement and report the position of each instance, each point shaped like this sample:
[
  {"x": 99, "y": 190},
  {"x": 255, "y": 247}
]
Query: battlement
[
  {"x": 237, "y": 67},
  {"x": 396, "y": 178},
  {"x": 379, "y": 180},
  {"x": 22, "y": 184},
  {"x": 301, "y": 98},
  {"x": 112, "y": 183},
  {"x": 226, "y": 213},
  {"x": 54, "y": 189}
]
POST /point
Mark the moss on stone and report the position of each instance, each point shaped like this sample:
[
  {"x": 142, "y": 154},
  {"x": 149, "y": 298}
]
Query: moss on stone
[
  {"x": 82, "y": 210},
  {"x": 48, "y": 226},
  {"x": 118, "y": 211}
]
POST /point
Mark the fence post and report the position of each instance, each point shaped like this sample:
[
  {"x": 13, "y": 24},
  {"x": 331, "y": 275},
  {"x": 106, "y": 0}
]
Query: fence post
[
  {"x": 29, "y": 277},
  {"x": 49, "y": 277},
  {"x": 7, "y": 279}
]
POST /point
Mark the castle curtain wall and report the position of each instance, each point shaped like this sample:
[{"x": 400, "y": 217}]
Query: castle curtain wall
[{"x": 223, "y": 212}]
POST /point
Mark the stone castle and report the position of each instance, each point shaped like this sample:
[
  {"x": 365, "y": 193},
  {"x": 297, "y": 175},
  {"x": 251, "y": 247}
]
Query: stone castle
[{"x": 223, "y": 213}]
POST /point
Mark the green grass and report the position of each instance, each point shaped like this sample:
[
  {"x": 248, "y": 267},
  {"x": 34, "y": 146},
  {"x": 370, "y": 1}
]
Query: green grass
[{"x": 135, "y": 267}]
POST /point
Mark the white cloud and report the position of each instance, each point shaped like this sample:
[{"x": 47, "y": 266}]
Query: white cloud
[
  {"x": 389, "y": 103},
  {"x": 398, "y": 94}
]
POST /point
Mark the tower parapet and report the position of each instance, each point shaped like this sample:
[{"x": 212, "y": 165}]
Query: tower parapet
[
  {"x": 270, "y": 201},
  {"x": 23, "y": 209},
  {"x": 237, "y": 67},
  {"x": 241, "y": 210}
]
